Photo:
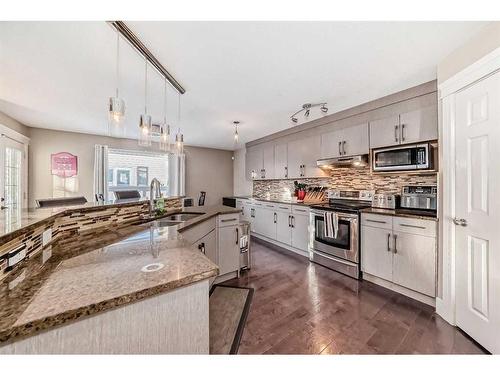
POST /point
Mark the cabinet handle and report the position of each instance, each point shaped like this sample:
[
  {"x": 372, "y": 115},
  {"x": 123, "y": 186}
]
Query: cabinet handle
[
  {"x": 201, "y": 247},
  {"x": 388, "y": 242},
  {"x": 402, "y": 132},
  {"x": 412, "y": 226},
  {"x": 343, "y": 147},
  {"x": 340, "y": 148},
  {"x": 395, "y": 245},
  {"x": 300, "y": 210},
  {"x": 396, "y": 128},
  {"x": 293, "y": 221},
  {"x": 286, "y": 172},
  {"x": 237, "y": 236},
  {"x": 376, "y": 221},
  {"x": 289, "y": 221},
  {"x": 275, "y": 218},
  {"x": 303, "y": 170},
  {"x": 227, "y": 220}
]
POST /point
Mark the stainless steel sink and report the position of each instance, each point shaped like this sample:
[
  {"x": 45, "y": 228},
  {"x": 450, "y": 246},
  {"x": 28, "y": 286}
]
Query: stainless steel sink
[{"x": 182, "y": 217}]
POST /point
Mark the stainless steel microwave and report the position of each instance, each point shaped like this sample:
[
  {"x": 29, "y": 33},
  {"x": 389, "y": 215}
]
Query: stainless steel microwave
[{"x": 402, "y": 158}]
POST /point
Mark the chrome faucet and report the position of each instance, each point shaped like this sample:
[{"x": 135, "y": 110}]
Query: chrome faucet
[{"x": 153, "y": 188}]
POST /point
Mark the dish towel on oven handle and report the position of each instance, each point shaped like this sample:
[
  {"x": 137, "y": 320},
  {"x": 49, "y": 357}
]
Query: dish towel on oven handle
[{"x": 331, "y": 224}]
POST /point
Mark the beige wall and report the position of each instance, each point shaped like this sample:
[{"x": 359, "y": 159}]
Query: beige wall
[
  {"x": 14, "y": 124},
  {"x": 485, "y": 41},
  {"x": 242, "y": 186},
  {"x": 209, "y": 170}
]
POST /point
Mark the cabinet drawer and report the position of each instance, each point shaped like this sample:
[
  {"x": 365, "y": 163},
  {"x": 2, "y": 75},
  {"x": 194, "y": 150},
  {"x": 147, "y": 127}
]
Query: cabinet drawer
[
  {"x": 283, "y": 208},
  {"x": 377, "y": 221},
  {"x": 415, "y": 226},
  {"x": 269, "y": 206},
  {"x": 298, "y": 210},
  {"x": 228, "y": 219}
]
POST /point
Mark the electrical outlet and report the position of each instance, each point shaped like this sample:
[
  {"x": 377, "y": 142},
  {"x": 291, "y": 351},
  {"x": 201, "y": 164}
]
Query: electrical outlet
[{"x": 46, "y": 237}]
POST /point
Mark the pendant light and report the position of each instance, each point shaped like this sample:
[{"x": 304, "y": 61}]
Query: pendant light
[
  {"x": 179, "y": 137},
  {"x": 164, "y": 142},
  {"x": 116, "y": 111},
  {"x": 145, "y": 119},
  {"x": 236, "y": 134}
]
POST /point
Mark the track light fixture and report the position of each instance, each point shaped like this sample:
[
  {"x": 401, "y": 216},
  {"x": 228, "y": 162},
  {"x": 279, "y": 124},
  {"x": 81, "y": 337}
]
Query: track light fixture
[{"x": 306, "y": 108}]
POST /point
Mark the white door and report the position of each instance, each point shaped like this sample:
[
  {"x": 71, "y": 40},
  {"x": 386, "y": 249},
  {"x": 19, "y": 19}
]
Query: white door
[
  {"x": 300, "y": 232},
  {"x": 228, "y": 249},
  {"x": 384, "y": 132},
  {"x": 283, "y": 229},
  {"x": 13, "y": 173},
  {"x": 331, "y": 144},
  {"x": 268, "y": 161},
  {"x": 477, "y": 207},
  {"x": 419, "y": 125},
  {"x": 376, "y": 252},
  {"x": 355, "y": 140},
  {"x": 280, "y": 161}
]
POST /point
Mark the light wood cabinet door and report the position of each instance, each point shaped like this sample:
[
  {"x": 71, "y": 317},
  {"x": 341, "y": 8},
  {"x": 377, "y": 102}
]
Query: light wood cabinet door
[
  {"x": 267, "y": 223},
  {"x": 414, "y": 262},
  {"x": 295, "y": 159},
  {"x": 268, "y": 161},
  {"x": 281, "y": 161},
  {"x": 376, "y": 254},
  {"x": 331, "y": 144},
  {"x": 420, "y": 125},
  {"x": 283, "y": 229},
  {"x": 385, "y": 132},
  {"x": 254, "y": 163},
  {"x": 228, "y": 249},
  {"x": 300, "y": 232},
  {"x": 355, "y": 140}
]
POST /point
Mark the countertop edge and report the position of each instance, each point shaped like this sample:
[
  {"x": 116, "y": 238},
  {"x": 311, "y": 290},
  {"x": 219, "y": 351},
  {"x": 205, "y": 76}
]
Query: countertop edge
[{"x": 59, "y": 320}]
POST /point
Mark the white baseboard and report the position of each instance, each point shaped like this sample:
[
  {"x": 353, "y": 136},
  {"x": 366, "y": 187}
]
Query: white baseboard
[
  {"x": 400, "y": 289},
  {"x": 282, "y": 245}
]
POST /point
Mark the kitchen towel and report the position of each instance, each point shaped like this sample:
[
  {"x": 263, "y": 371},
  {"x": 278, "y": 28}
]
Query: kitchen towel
[{"x": 331, "y": 224}]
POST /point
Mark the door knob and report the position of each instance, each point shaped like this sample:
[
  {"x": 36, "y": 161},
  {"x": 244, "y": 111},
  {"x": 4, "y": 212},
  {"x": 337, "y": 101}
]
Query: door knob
[{"x": 461, "y": 222}]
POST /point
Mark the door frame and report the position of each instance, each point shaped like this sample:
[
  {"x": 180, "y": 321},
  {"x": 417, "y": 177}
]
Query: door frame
[
  {"x": 482, "y": 68},
  {"x": 11, "y": 134}
]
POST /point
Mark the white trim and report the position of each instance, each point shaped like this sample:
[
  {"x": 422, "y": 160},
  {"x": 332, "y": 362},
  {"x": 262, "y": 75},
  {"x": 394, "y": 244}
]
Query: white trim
[
  {"x": 481, "y": 68},
  {"x": 489, "y": 64},
  {"x": 282, "y": 245},
  {"x": 12, "y": 134},
  {"x": 428, "y": 300}
]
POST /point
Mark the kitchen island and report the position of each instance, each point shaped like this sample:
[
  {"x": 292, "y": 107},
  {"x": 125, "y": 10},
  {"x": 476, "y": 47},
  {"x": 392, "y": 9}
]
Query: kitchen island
[{"x": 132, "y": 288}]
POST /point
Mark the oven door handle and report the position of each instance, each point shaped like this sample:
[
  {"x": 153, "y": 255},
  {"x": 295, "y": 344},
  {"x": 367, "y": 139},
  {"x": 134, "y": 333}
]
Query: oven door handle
[{"x": 340, "y": 215}]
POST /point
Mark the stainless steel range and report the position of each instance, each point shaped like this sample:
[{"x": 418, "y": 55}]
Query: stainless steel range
[{"x": 340, "y": 253}]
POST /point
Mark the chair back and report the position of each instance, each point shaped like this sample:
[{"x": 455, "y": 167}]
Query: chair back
[
  {"x": 127, "y": 194},
  {"x": 60, "y": 202}
]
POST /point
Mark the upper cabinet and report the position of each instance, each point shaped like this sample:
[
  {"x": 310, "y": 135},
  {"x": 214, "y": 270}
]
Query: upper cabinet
[
  {"x": 281, "y": 161},
  {"x": 254, "y": 163},
  {"x": 302, "y": 156},
  {"x": 345, "y": 142},
  {"x": 268, "y": 161},
  {"x": 410, "y": 127}
]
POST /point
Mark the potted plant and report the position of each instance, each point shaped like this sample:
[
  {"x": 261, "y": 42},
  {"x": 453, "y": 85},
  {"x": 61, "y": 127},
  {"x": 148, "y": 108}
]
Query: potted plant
[{"x": 300, "y": 190}]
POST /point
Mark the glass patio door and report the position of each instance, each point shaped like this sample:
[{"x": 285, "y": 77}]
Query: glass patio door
[{"x": 13, "y": 176}]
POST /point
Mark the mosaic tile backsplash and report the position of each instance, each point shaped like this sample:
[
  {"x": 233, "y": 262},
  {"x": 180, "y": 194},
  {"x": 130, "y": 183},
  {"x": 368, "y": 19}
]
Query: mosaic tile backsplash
[{"x": 344, "y": 179}]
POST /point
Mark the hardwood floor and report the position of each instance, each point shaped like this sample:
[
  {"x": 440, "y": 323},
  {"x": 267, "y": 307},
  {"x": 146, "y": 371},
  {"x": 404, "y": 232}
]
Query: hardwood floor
[{"x": 304, "y": 308}]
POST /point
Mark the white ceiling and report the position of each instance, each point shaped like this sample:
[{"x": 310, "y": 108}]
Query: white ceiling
[{"x": 59, "y": 75}]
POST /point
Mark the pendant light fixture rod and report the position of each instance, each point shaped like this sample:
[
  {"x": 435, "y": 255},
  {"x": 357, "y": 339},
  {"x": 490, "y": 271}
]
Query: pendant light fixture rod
[
  {"x": 117, "y": 63},
  {"x": 136, "y": 43},
  {"x": 146, "y": 88}
]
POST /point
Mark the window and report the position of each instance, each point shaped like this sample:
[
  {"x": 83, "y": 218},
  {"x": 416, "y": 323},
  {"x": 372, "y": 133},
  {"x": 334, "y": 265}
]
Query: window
[
  {"x": 122, "y": 177},
  {"x": 142, "y": 176},
  {"x": 134, "y": 170}
]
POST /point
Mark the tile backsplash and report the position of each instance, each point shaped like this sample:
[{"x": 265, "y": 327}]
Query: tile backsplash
[{"x": 344, "y": 179}]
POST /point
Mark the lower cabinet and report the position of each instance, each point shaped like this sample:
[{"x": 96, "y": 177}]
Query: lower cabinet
[
  {"x": 228, "y": 249},
  {"x": 400, "y": 250},
  {"x": 208, "y": 246},
  {"x": 300, "y": 231},
  {"x": 285, "y": 223}
]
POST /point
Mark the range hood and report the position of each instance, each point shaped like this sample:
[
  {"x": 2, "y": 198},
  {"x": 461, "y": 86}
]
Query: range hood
[{"x": 343, "y": 162}]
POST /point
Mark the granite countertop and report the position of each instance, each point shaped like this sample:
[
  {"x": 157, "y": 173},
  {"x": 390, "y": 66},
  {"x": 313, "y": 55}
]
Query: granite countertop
[
  {"x": 14, "y": 219},
  {"x": 100, "y": 270},
  {"x": 401, "y": 212}
]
